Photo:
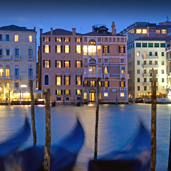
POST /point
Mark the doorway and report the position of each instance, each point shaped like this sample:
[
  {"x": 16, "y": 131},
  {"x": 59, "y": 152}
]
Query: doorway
[{"x": 92, "y": 95}]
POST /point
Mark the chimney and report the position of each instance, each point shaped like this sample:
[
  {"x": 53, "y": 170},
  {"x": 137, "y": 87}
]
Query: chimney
[
  {"x": 73, "y": 31},
  {"x": 34, "y": 28},
  {"x": 92, "y": 28},
  {"x": 41, "y": 30},
  {"x": 51, "y": 31},
  {"x": 113, "y": 28}
]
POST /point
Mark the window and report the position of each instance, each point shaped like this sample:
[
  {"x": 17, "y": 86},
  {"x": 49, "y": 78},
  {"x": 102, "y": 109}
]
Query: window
[
  {"x": 162, "y": 53},
  {"x": 30, "y": 38},
  {"x": 78, "y": 92},
  {"x": 7, "y": 71},
  {"x": 99, "y": 51},
  {"x": 92, "y": 83},
  {"x": 145, "y": 88},
  {"x": 144, "y": 44},
  {"x": 58, "y": 80},
  {"x": 156, "y": 44},
  {"x": 145, "y": 71},
  {"x": 46, "y": 63},
  {"x": 145, "y": 62},
  {"x": 85, "y": 83},
  {"x": 162, "y": 44},
  {"x": 78, "y": 64},
  {"x": 67, "y": 92},
  {"x": 138, "y": 80},
  {"x": 67, "y": 64},
  {"x": 150, "y": 79},
  {"x": 58, "y": 64},
  {"x": 144, "y": 31},
  {"x": 138, "y": 88},
  {"x": 78, "y": 80},
  {"x": 123, "y": 70},
  {"x": 122, "y": 94},
  {"x": 67, "y": 98},
  {"x": 106, "y": 84},
  {"x": 138, "y": 71},
  {"x": 0, "y": 37},
  {"x": 46, "y": 39},
  {"x": 105, "y": 94},
  {"x": 16, "y": 51},
  {"x": 46, "y": 79},
  {"x": 7, "y": 51},
  {"x": 7, "y": 85},
  {"x": 138, "y": 44},
  {"x": 67, "y": 49},
  {"x": 1, "y": 71},
  {"x": 46, "y": 48},
  {"x": 105, "y": 49},
  {"x": 156, "y": 62},
  {"x": 150, "y": 53},
  {"x": 16, "y": 38},
  {"x": 78, "y": 48},
  {"x": 58, "y": 39},
  {"x": 67, "y": 39},
  {"x": 58, "y": 92},
  {"x": 150, "y": 62},
  {"x": 16, "y": 70},
  {"x": 58, "y": 49},
  {"x": 156, "y": 53},
  {"x": 162, "y": 80},
  {"x": 156, "y": 79},
  {"x": 122, "y": 83},
  {"x": 121, "y": 49},
  {"x": 30, "y": 71},
  {"x": 144, "y": 54},
  {"x": 30, "y": 51},
  {"x": 145, "y": 79},
  {"x": 162, "y": 71},
  {"x": 162, "y": 62},
  {"x": 16, "y": 85},
  {"x": 150, "y": 44},
  {"x": 138, "y": 62},
  {"x": 100, "y": 83},
  {"x": 67, "y": 80},
  {"x": 163, "y": 31},
  {"x": 156, "y": 71},
  {"x": 138, "y": 31},
  {"x": 78, "y": 39},
  {"x": 105, "y": 70},
  {"x": 85, "y": 50},
  {"x": 85, "y": 96},
  {"x": 138, "y": 53},
  {"x": 157, "y": 31},
  {"x": 7, "y": 37}
]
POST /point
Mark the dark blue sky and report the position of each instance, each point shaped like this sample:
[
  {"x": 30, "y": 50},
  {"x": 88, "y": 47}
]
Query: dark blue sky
[{"x": 81, "y": 14}]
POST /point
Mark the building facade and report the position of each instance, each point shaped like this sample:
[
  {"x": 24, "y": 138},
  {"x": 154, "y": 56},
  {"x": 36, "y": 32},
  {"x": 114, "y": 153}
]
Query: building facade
[
  {"x": 17, "y": 62},
  {"x": 71, "y": 63},
  {"x": 147, "y": 43}
]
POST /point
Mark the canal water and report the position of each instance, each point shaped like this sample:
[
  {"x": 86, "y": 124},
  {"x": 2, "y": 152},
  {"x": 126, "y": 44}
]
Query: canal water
[{"x": 117, "y": 125}]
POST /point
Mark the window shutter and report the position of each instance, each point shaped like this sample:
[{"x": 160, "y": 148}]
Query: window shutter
[
  {"x": 49, "y": 39},
  {"x": 76, "y": 91},
  {"x": 55, "y": 48},
  {"x": 43, "y": 48},
  {"x": 75, "y": 79},
  {"x": 64, "y": 79},
  {"x": 61, "y": 48},
  {"x": 81, "y": 63},
  {"x": 55, "y": 92},
  {"x": 80, "y": 39},
  {"x": 69, "y": 48},
  {"x": 55, "y": 39},
  {"x": 75, "y": 48},
  {"x": 81, "y": 48},
  {"x": 119, "y": 83},
  {"x": 69, "y": 79},
  {"x": 88, "y": 83},
  {"x": 83, "y": 83},
  {"x": 49, "y": 49},
  {"x": 69, "y": 39},
  {"x": 61, "y": 79},
  {"x": 55, "y": 63},
  {"x": 108, "y": 83},
  {"x": 108, "y": 49},
  {"x": 102, "y": 83},
  {"x": 75, "y": 63},
  {"x": 64, "y": 48},
  {"x": 75, "y": 39},
  {"x": 69, "y": 64},
  {"x": 61, "y": 92},
  {"x": 81, "y": 79},
  {"x": 49, "y": 63},
  {"x": 61, "y": 63},
  {"x": 55, "y": 79},
  {"x": 43, "y": 39},
  {"x": 124, "y": 83},
  {"x": 95, "y": 83},
  {"x": 69, "y": 92},
  {"x": 81, "y": 92},
  {"x": 43, "y": 63},
  {"x": 103, "y": 49},
  {"x": 124, "y": 49},
  {"x": 61, "y": 39},
  {"x": 119, "y": 49}
]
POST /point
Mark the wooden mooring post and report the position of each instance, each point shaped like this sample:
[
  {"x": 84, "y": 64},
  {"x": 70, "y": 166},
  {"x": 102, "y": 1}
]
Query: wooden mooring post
[
  {"x": 153, "y": 122},
  {"x": 97, "y": 119},
  {"x": 48, "y": 131},
  {"x": 32, "y": 112}
]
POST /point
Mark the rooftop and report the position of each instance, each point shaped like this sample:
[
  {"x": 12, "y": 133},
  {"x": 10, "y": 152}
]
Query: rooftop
[
  {"x": 15, "y": 28},
  {"x": 60, "y": 32}
]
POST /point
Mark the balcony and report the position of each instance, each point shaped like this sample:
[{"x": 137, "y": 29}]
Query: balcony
[
  {"x": 151, "y": 57},
  {"x": 30, "y": 77},
  {"x": 150, "y": 66},
  {"x": 30, "y": 58},
  {"x": 16, "y": 77},
  {"x": 93, "y": 75},
  {"x": 16, "y": 57},
  {"x": 147, "y": 83},
  {"x": 146, "y": 74},
  {"x": 122, "y": 76},
  {"x": 7, "y": 57},
  {"x": 1, "y": 78},
  {"x": 7, "y": 78},
  {"x": 106, "y": 75}
]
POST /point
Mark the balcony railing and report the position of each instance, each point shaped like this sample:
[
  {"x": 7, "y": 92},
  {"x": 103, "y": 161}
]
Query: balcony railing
[
  {"x": 30, "y": 77},
  {"x": 106, "y": 75},
  {"x": 146, "y": 74},
  {"x": 7, "y": 78},
  {"x": 30, "y": 58},
  {"x": 1, "y": 78},
  {"x": 16, "y": 57},
  {"x": 16, "y": 77},
  {"x": 93, "y": 75},
  {"x": 151, "y": 57},
  {"x": 7, "y": 57},
  {"x": 150, "y": 66}
]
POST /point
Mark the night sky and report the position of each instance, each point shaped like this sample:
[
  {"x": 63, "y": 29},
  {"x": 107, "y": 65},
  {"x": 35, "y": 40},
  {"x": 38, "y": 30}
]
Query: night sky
[{"x": 81, "y": 14}]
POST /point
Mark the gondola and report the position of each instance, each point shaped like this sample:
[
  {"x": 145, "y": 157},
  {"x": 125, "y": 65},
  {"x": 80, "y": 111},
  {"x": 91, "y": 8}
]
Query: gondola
[
  {"x": 63, "y": 154},
  {"x": 133, "y": 156}
]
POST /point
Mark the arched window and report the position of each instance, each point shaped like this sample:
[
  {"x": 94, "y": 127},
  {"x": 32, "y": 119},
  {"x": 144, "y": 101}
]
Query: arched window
[
  {"x": 7, "y": 51},
  {"x": 1, "y": 52},
  {"x": 92, "y": 61},
  {"x": 16, "y": 51},
  {"x": 30, "y": 70},
  {"x": 16, "y": 70},
  {"x": 7, "y": 71},
  {"x": 46, "y": 79},
  {"x": 1, "y": 71},
  {"x": 30, "y": 51}
]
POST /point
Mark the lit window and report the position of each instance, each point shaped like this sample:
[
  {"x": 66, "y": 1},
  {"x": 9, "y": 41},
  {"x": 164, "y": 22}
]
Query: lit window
[
  {"x": 100, "y": 84},
  {"x": 106, "y": 84},
  {"x": 58, "y": 92},
  {"x": 91, "y": 50},
  {"x": 138, "y": 53},
  {"x": 46, "y": 49},
  {"x": 46, "y": 39},
  {"x": 58, "y": 80},
  {"x": 78, "y": 80},
  {"x": 163, "y": 31},
  {"x": 157, "y": 31},
  {"x": 121, "y": 49},
  {"x": 7, "y": 85},
  {"x": 58, "y": 64},
  {"x": 138, "y": 31},
  {"x": 132, "y": 31},
  {"x": 100, "y": 96},
  {"x": 85, "y": 83},
  {"x": 122, "y": 83},
  {"x": 105, "y": 70},
  {"x": 58, "y": 39},
  {"x": 105, "y": 94},
  {"x": 67, "y": 80},
  {"x": 122, "y": 94},
  {"x": 85, "y": 96},
  {"x": 30, "y": 38},
  {"x": 99, "y": 50},
  {"x": 66, "y": 64},
  {"x": 85, "y": 50},
  {"x": 105, "y": 49},
  {"x": 78, "y": 39},
  {"x": 123, "y": 70},
  {"x": 66, "y": 92},
  {"x": 46, "y": 64},
  {"x": 7, "y": 72},
  {"x": 1, "y": 71},
  {"x": 78, "y": 92},
  {"x": 78, "y": 64},
  {"x": 92, "y": 83},
  {"x": 66, "y": 48},
  {"x": 78, "y": 48},
  {"x": 58, "y": 48},
  {"x": 144, "y": 54},
  {"x": 66, "y": 39},
  {"x": 16, "y": 38},
  {"x": 144, "y": 31}
]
